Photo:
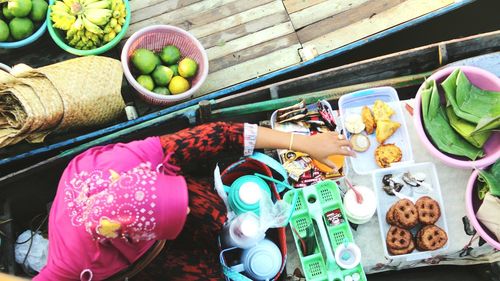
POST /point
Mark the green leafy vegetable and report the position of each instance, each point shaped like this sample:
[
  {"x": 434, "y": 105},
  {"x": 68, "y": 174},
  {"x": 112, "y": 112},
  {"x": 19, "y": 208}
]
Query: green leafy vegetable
[
  {"x": 466, "y": 129},
  {"x": 438, "y": 127},
  {"x": 492, "y": 178},
  {"x": 471, "y": 103}
]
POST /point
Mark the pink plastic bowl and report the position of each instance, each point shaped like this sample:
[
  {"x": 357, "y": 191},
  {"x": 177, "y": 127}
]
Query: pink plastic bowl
[
  {"x": 155, "y": 38},
  {"x": 480, "y": 78},
  {"x": 472, "y": 204}
]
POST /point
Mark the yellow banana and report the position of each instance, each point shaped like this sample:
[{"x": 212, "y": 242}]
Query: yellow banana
[
  {"x": 91, "y": 26},
  {"x": 98, "y": 16},
  {"x": 78, "y": 24},
  {"x": 113, "y": 22},
  {"x": 62, "y": 21},
  {"x": 103, "y": 4},
  {"x": 60, "y": 6}
]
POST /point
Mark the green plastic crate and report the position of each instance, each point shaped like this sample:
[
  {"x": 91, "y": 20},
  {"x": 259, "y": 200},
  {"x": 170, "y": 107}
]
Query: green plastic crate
[{"x": 314, "y": 265}]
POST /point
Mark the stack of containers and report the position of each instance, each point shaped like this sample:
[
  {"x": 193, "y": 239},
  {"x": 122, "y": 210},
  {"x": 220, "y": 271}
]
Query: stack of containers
[
  {"x": 364, "y": 164},
  {"x": 247, "y": 250}
]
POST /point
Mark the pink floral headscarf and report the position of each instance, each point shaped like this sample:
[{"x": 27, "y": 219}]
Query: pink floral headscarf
[{"x": 113, "y": 202}]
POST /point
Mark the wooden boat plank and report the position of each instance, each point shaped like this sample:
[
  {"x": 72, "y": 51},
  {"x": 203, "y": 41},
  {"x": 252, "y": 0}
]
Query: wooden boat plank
[
  {"x": 251, "y": 39},
  {"x": 249, "y": 69},
  {"x": 181, "y": 13},
  {"x": 256, "y": 25},
  {"x": 238, "y": 19},
  {"x": 251, "y": 53},
  {"x": 142, "y": 10},
  {"x": 230, "y": 28},
  {"x": 346, "y": 18},
  {"x": 293, "y": 6},
  {"x": 323, "y": 10},
  {"x": 401, "y": 13}
]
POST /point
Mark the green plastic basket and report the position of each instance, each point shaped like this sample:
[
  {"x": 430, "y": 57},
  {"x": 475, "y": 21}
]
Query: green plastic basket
[
  {"x": 60, "y": 41},
  {"x": 314, "y": 264}
]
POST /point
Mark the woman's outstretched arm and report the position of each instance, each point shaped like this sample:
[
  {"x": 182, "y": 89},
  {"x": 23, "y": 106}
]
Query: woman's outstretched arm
[
  {"x": 208, "y": 140},
  {"x": 318, "y": 146}
]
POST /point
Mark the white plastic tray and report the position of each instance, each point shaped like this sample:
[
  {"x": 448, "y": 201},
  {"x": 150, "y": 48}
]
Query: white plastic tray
[
  {"x": 364, "y": 162},
  {"x": 385, "y": 201}
]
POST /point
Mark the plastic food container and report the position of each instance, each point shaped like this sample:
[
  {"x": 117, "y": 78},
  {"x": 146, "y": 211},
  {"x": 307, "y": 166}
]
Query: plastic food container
[
  {"x": 481, "y": 79},
  {"x": 26, "y": 41},
  {"x": 323, "y": 200},
  {"x": 60, "y": 41},
  {"x": 385, "y": 201},
  {"x": 154, "y": 38},
  {"x": 472, "y": 204},
  {"x": 364, "y": 162}
]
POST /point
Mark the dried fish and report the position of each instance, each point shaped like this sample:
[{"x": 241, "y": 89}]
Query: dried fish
[
  {"x": 391, "y": 185},
  {"x": 289, "y": 114},
  {"x": 299, "y": 105},
  {"x": 294, "y": 118}
]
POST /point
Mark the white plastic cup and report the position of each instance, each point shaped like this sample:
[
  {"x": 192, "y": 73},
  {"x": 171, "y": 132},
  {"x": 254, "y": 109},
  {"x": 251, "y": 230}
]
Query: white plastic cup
[
  {"x": 244, "y": 231},
  {"x": 348, "y": 256},
  {"x": 360, "y": 213},
  {"x": 261, "y": 262}
]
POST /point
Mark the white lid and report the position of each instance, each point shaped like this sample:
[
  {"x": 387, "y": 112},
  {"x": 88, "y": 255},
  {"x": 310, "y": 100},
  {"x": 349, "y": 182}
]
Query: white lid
[
  {"x": 360, "y": 211},
  {"x": 249, "y": 193},
  {"x": 249, "y": 226}
]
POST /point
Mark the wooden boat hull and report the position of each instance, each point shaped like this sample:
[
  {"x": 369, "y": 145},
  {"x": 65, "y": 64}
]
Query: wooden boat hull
[{"x": 399, "y": 69}]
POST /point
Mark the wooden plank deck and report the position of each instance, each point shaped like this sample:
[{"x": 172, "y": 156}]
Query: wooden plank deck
[{"x": 247, "y": 39}]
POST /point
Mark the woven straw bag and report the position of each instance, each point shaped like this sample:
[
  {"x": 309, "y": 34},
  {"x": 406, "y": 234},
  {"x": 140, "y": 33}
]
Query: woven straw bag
[{"x": 77, "y": 93}]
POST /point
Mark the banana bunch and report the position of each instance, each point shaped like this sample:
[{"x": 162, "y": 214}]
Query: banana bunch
[
  {"x": 115, "y": 24},
  {"x": 88, "y": 23}
]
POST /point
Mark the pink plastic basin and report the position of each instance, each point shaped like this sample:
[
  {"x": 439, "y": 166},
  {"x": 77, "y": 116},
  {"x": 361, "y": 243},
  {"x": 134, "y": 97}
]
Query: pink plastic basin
[
  {"x": 481, "y": 79},
  {"x": 154, "y": 38},
  {"x": 472, "y": 204}
]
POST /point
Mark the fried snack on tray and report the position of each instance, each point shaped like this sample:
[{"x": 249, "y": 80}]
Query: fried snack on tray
[
  {"x": 428, "y": 209},
  {"x": 385, "y": 129},
  {"x": 368, "y": 119},
  {"x": 430, "y": 238},
  {"x": 386, "y": 154},
  {"x": 382, "y": 111}
]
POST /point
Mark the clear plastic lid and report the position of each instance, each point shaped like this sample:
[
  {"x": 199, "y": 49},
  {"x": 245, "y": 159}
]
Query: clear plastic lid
[{"x": 364, "y": 162}]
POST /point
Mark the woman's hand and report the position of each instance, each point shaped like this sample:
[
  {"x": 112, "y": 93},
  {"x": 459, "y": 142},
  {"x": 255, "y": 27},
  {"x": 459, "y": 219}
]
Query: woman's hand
[{"x": 320, "y": 146}]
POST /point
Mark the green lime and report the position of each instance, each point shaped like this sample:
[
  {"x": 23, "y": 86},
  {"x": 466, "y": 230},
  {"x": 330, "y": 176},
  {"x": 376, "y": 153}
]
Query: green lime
[
  {"x": 21, "y": 28},
  {"x": 20, "y": 8},
  {"x": 146, "y": 81},
  {"x": 187, "y": 67},
  {"x": 161, "y": 90},
  {"x": 178, "y": 85},
  {"x": 162, "y": 75},
  {"x": 175, "y": 69},
  {"x": 4, "y": 31},
  {"x": 170, "y": 54},
  {"x": 39, "y": 10},
  {"x": 6, "y": 13},
  {"x": 144, "y": 60},
  {"x": 158, "y": 59}
]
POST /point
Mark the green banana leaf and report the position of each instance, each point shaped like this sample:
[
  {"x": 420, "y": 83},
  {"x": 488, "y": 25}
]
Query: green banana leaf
[
  {"x": 492, "y": 178},
  {"x": 439, "y": 129},
  {"x": 471, "y": 103},
  {"x": 466, "y": 129}
]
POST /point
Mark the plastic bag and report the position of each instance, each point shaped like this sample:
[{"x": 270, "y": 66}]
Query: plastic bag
[
  {"x": 274, "y": 215},
  {"x": 37, "y": 254}
]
